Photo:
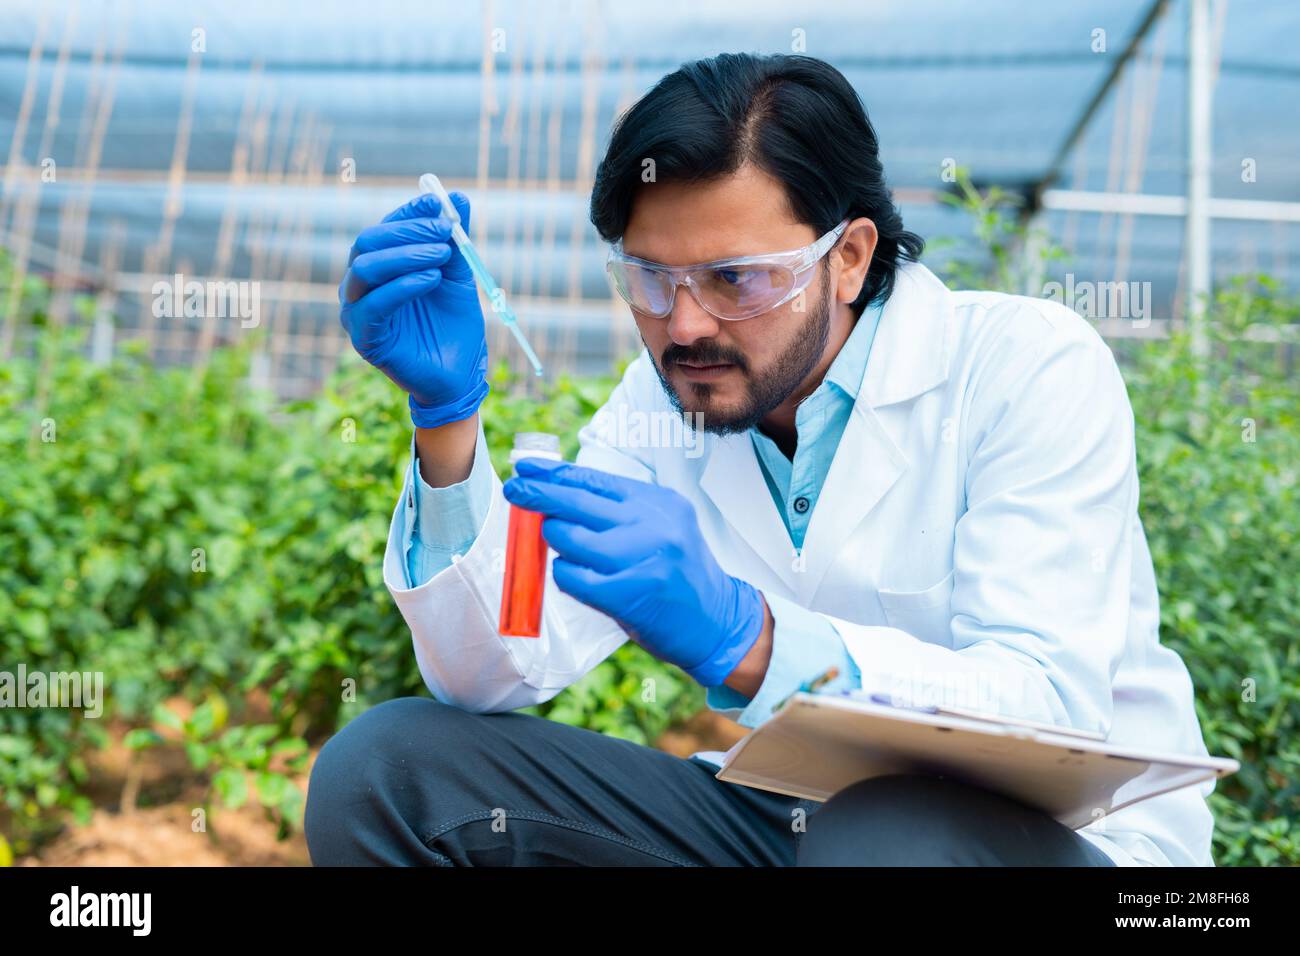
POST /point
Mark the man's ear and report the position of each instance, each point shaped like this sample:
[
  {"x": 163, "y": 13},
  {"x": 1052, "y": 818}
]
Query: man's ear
[{"x": 852, "y": 256}]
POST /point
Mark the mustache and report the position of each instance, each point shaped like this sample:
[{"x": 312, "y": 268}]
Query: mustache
[{"x": 703, "y": 353}]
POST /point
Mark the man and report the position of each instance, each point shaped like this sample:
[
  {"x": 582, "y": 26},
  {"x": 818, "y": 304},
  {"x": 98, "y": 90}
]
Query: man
[{"x": 925, "y": 491}]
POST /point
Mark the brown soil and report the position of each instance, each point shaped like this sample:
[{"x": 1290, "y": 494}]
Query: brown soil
[{"x": 158, "y": 829}]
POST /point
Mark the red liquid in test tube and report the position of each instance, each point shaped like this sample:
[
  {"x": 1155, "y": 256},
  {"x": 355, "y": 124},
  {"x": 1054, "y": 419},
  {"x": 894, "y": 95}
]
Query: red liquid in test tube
[{"x": 526, "y": 550}]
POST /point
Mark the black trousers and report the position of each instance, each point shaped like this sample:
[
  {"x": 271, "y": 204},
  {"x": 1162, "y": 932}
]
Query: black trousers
[{"x": 415, "y": 782}]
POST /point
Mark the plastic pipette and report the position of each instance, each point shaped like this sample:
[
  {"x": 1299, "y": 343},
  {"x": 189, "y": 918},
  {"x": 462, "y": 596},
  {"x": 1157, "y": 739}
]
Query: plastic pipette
[{"x": 429, "y": 183}]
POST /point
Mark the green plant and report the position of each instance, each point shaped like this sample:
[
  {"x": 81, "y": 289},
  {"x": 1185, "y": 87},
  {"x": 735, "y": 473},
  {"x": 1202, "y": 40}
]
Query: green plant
[
  {"x": 114, "y": 476},
  {"x": 187, "y": 538},
  {"x": 1218, "y": 451},
  {"x": 1219, "y": 457},
  {"x": 1004, "y": 251},
  {"x": 180, "y": 534},
  {"x": 231, "y": 755}
]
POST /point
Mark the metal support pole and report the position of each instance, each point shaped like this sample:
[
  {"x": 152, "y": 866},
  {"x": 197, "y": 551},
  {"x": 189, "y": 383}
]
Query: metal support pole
[
  {"x": 1199, "y": 108},
  {"x": 1032, "y": 264}
]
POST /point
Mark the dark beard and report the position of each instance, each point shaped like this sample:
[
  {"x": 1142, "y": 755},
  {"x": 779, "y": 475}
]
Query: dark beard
[{"x": 789, "y": 371}]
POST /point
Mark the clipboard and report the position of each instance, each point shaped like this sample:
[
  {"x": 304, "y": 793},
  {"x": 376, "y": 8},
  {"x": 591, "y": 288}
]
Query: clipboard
[{"x": 818, "y": 744}]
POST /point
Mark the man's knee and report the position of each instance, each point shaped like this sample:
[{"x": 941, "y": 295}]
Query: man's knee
[
  {"x": 361, "y": 768},
  {"x": 377, "y": 730},
  {"x": 901, "y": 820}
]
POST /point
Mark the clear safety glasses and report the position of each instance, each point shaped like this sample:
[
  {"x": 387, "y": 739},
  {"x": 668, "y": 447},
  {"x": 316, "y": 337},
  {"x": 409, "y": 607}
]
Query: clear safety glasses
[{"x": 733, "y": 289}]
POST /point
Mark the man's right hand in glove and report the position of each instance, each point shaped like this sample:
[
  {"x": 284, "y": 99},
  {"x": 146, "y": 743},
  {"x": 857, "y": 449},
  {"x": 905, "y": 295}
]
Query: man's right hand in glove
[{"x": 411, "y": 309}]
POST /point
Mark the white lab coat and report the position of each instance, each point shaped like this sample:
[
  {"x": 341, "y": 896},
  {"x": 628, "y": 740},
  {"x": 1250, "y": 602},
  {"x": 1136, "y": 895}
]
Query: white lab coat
[{"x": 978, "y": 528}]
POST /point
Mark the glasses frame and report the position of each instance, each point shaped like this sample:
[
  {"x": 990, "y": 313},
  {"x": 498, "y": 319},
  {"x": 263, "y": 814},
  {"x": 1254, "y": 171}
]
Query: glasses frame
[{"x": 798, "y": 261}]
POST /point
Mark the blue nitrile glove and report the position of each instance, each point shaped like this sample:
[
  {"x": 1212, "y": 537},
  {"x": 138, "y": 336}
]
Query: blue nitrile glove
[
  {"x": 634, "y": 551},
  {"x": 411, "y": 308}
]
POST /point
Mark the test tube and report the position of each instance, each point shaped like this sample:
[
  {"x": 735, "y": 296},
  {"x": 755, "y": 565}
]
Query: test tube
[{"x": 525, "y": 574}]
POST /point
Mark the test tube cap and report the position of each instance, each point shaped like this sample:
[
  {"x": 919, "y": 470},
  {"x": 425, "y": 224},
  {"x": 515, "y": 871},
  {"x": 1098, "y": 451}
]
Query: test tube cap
[{"x": 536, "y": 445}]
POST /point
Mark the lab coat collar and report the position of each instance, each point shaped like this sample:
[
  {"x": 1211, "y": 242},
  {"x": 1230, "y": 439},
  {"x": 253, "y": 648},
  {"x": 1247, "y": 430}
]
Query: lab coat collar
[
  {"x": 909, "y": 357},
  {"x": 911, "y": 351}
]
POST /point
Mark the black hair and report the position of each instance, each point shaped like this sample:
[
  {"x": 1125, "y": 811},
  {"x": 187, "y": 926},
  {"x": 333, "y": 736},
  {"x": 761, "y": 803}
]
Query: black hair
[{"x": 795, "y": 117}]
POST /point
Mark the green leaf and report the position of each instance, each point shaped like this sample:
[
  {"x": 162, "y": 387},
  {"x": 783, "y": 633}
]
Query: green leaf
[
  {"x": 167, "y": 718},
  {"x": 231, "y": 786},
  {"x": 142, "y": 738},
  {"x": 200, "y": 756},
  {"x": 271, "y": 788},
  {"x": 204, "y": 719}
]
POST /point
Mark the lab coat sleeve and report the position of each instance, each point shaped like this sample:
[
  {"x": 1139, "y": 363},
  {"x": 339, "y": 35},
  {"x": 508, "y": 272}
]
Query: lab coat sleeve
[
  {"x": 454, "y": 615},
  {"x": 805, "y": 646},
  {"x": 448, "y": 519},
  {"x": 1041, "y": 561}
]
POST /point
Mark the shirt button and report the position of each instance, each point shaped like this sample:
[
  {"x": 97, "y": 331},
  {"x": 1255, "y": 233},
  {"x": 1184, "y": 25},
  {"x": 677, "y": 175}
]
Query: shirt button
[{"x": 801, "y": 504}]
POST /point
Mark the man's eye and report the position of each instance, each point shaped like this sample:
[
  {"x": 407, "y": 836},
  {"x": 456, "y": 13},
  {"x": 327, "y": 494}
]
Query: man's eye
[{"x": 732, "y": 276}]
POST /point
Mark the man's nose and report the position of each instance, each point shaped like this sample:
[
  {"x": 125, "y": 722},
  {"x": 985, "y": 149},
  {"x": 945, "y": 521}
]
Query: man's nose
[{"x": 688, "y": 321}]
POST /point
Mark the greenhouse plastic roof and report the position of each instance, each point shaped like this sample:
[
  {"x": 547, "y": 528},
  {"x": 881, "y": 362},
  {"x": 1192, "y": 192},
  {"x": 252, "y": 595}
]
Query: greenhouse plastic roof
[{"x": 399, "y": 89}]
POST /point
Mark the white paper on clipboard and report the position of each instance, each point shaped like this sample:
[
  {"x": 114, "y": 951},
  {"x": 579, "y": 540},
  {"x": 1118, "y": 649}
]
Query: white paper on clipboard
[{"x": 818, "y": 744}]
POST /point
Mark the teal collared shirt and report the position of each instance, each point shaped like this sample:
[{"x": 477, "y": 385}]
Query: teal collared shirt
[
  {"x": 442, "y": 522},
  {"x": 807, "y": 645},
  {"x": 819, "y": 421}
]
